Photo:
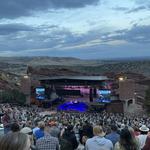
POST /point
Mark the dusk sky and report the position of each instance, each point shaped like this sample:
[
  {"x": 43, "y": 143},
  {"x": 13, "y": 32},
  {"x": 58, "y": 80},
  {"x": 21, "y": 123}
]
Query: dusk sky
[{"x": 88, "y": 29}]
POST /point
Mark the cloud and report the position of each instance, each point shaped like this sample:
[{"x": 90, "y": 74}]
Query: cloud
[
  {"x": 60, "y": 41},
  {"x": 137, "y": 34},
  {"x": 17, "y": 8},
  {"x": 137, "y": 9},
  {"x": 120, "y": 8},
  {"x": 147, "y": 2},
  {"x": 6, "y": 29},
  {"x": 143, "y": 3}
]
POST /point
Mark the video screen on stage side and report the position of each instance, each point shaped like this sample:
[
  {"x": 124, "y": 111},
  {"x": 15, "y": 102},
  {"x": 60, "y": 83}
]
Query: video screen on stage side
[
  {"x": 40, "y": 93},
  {"x": 104, "y": 96}
]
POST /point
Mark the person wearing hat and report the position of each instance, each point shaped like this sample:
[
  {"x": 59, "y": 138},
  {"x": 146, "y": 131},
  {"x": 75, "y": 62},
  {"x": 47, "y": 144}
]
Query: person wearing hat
[
  {"x": 143, "y": 136},
  {"x": 98, "y": 142},
  {"x": 29, "y": 132}
]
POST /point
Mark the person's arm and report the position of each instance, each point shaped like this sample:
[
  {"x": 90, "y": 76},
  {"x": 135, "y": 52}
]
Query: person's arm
[
  {"x": 117, "y": 147},
  {"x": 86, "y": 145}
]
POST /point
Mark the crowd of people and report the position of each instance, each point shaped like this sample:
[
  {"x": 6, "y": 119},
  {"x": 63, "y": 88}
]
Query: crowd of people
[{"x": 28, "y": 128}]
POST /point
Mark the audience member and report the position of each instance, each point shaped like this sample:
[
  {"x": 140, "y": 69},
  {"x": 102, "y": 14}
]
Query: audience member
[
  {"x": 15, "y": 141},
  {"x": 127, "y": 141},
  {"x": 98, "y": 142},
  {"x": 47, "y": 142},
  {"x": 113, "y": 136}
]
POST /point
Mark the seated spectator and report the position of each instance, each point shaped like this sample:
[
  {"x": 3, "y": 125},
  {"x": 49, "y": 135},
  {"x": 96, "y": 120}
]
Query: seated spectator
[
  {"x": 98, "y": 142},
  {"x": 15, "y": 141}
]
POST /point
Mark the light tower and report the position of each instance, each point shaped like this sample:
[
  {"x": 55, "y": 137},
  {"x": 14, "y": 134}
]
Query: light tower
[{"x": 26, "y": 87}]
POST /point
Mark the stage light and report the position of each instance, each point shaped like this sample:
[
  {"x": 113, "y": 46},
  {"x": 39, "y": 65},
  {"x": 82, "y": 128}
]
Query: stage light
[{"x": 121, "y": 78}]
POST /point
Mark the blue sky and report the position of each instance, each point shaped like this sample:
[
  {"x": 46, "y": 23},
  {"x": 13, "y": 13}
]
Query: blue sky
[{"x": 88, "y": 29}]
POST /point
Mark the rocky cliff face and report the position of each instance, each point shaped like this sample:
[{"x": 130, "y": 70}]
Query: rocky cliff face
[{"x": 8, "y": 81}]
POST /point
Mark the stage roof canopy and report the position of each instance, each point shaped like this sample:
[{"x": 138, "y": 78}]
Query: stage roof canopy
[{"x": 84, "y": 78}]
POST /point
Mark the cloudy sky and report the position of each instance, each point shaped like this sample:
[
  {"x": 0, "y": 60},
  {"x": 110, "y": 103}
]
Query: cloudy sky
[{"x": 76, "y": 28}]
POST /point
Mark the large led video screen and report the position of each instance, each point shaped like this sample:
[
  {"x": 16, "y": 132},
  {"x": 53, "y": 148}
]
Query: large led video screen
[
  {"x": 104, "y": 96},
  {"x": 40, "y": 93}
]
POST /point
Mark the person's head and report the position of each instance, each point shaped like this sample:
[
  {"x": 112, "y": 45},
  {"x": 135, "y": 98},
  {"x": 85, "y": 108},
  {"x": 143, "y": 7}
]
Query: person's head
[
  {"x": 98, "y": 131},
  {"x": 41, "y": 125},
  {"x": 47, "y": 128},
  {"x": 15, "y": 127},
  {"x": 84, "y": 139},
  {"x": 114, "y": 128},
  {"x": 28, "y": 131},
  {"x": 127, "y": 140},
  {"x": 143, "y": 129},
  {"x": 70, "y": 128},
  {"x": 15, "y": 141},
  {"x": 125, "y": 135},
  {"x": 136, "y": 129},
  {"x": 52, "y": 123}
]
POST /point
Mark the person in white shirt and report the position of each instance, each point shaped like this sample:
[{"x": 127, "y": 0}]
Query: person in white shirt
[{"x": 143, "y": 136}]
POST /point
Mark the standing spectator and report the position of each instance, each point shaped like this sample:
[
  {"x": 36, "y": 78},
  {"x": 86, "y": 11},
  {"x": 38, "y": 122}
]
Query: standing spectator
[
  {"x": 143, "y": 136},
  {"x": 70, "y": 137},
  {"x": 15, "y": 141},
  {"x": 47, "y": 142},
  {"x": 147, "y": 144},
  {"x": 54, "y": 130},
  {"x": 28, "y": 131},
  {"x": 136, "y": 131},
  {"x": 87, "y": 130},
  {"x": 15, "y": 127},
  {"x": 40, "y": 132},
  {"x": 98, "y": 142},
  {"x": 36, "y": 127},
  {"x": 127, "y": 141},
  {"x": 113, "y": 136},
  {"x": 7, "y": 120}
]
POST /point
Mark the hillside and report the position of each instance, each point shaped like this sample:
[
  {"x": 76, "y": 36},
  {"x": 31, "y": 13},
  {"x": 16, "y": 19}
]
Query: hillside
[
  {"x": 12, "y": 68},
  {"x": 19, "y": 65}
]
